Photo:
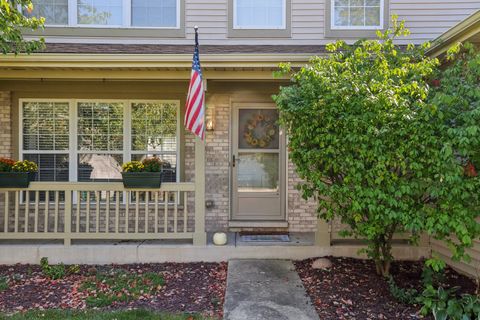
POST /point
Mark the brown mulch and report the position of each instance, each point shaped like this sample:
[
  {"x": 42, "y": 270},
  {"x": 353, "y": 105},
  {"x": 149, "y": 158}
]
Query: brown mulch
[
  {"x": 189, "y": 287},
  {"x": 351, "y": 289}
]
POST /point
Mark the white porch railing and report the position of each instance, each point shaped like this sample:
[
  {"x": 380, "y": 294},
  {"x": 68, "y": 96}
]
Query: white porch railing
[{"x": 83, "y": 210}]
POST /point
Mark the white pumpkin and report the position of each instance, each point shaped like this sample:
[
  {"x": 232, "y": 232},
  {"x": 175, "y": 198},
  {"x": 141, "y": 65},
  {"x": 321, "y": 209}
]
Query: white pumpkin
[{"x": 220, "y": 239}]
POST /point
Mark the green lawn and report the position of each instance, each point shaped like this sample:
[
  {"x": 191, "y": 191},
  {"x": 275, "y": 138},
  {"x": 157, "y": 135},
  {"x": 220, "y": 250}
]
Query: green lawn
[{"x": 99, "y": 315}]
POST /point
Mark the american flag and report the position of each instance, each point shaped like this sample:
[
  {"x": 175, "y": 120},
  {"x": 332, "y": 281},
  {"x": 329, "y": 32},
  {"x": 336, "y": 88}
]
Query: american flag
[{"x": 195, "y": 107}]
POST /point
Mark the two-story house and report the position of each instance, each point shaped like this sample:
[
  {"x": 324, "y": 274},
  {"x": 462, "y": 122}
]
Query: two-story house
[{"x": 111, "y": 86}]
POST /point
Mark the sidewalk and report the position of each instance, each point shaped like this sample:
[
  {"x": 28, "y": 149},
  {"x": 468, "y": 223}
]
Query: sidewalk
[{"x": 264, "y": 290}]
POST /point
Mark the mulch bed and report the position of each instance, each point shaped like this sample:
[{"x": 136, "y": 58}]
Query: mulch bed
[
  {"x": 189, "y": 287},
  {"x": 351, "y": 289}
]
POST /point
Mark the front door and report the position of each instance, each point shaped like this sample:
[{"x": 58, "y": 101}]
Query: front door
[{"x": 258, "y": 163}]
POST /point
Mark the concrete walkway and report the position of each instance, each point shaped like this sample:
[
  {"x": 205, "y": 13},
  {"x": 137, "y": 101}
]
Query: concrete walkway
[{"x": 264, "y": 290}]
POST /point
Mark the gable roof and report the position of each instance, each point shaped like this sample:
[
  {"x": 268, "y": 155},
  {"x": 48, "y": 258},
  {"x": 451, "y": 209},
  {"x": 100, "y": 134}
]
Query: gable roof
[{"x": 467, "y": 30}]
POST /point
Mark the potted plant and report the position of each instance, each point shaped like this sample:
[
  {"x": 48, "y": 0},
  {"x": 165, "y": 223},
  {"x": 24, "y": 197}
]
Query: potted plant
[
  {"x": 145, "y": 174},
  {"x": 16, "y": 174}
]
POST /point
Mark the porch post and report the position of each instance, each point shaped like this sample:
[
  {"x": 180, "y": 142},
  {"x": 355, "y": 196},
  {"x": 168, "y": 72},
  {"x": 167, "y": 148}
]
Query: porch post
[
  {"x": 322, "y": 235},
  {"x": 199, "y": 236}
]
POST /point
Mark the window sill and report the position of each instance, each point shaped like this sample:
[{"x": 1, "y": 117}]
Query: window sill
[
  {"x": 82, "y": 31},
  {"x": 259, "y": 33},
  {"x": 351, "y": 33}
]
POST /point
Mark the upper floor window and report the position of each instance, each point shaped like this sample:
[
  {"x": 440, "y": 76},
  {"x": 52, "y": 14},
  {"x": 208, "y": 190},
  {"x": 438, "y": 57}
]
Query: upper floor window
[
  {"x": 113, "y": 13},
  {"x": 357, "y": 14},
  {"x": 100, "y": 12},
  {"x": 259, "y": 14},
  {"x": 54, "y": 11}
]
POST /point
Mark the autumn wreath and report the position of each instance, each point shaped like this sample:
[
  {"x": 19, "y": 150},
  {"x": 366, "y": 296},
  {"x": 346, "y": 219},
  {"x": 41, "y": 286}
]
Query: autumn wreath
[{"x": 250, "y": 135}]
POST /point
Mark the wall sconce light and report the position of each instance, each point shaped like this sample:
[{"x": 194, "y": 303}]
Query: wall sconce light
[
  {"x": 210, "y": 119},
  {"x": 209, "y": 126}
]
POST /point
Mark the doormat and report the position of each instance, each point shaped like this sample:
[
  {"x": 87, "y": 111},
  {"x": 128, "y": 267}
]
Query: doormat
[{"x": 264, "y": 237}]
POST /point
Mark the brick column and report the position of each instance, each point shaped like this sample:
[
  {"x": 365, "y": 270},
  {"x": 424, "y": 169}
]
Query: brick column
[{"x": 6, "y": 149}]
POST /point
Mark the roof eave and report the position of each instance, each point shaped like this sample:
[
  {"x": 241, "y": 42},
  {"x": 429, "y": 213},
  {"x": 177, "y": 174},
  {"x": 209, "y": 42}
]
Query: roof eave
[{"x": 459, "y": 33}]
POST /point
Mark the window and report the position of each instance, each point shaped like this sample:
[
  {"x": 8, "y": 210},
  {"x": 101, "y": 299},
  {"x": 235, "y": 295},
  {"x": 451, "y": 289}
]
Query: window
[
  {"x": 259, "y": 14},
  {"x": 109, "y": 13},
  {"x": 154, "y": 133},
  {"x": 100, "y": 140},
  {"x": 99, "y": 12},
  {"x": 45, "y": 138},
  {"x": 92, "y": 143},
  {"x": 357, "y": 14},
  {"x": 55, "y": 12},
  {"x": 160, "y": 13}
]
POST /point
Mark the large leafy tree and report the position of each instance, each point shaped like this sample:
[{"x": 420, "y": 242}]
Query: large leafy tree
[
  {"x": 371, "y": 148},
  {"x": 12, "y": 21}
]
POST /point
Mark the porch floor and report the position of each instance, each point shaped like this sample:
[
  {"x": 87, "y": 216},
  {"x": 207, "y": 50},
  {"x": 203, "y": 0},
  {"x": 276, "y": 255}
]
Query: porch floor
[{"x": 234, "y": 240}]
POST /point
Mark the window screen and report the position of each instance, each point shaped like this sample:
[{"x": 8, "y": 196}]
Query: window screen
[
  {"x": 268, "y": 14},
  {"x": 160, "y": 13},
  {"x": 357, "y": 14}
]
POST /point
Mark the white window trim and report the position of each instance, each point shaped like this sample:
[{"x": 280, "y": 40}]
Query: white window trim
[
  {"x": 126, "y": 18},
  {"x": 334, "y": 27},
  {"x": 73, "y": 119},
  {"x": 257, "y": 27}
]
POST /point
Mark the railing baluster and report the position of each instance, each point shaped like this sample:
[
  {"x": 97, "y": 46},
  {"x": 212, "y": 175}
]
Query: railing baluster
[
  {"x": 57, "y": 200},
  {"x": 156, "y": 212},
  {"x": 27, "y": 210},
  {"x": 79, "y": 204},
  {"x": 17, "y": 209},
  {"x": 7, "y": 211},
  {"x": 47, "y": 207},
  {"x": 137, "y": 208},
  {"x": 127, "y": 212},
  {"x": 117, "y": 210},
  {"x": 67, "y": 227},
  {"x": 87, "y": 207},
  {"x": 165, "y": 200},
  {"x": 107, "y": 213},
  {"x": 37, "y": 202},
  {"x": 147, "y": 196},
  {"x": 175, "y": 212},
  {"x": 97, "y": 211},
  {"x": 185, "y": 211}
]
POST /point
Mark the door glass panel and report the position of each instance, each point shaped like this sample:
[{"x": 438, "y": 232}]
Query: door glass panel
[
  {"x": 258, "y": 172},
  {"x": 258, "y": 129}
]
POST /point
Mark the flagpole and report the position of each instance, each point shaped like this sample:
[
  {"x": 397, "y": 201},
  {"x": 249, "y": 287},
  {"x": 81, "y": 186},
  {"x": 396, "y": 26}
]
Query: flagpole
[{"x": 199, "y": 235}]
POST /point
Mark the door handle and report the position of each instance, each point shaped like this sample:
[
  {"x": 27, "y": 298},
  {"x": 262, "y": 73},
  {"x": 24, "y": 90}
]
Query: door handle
[{"x": 233, "y": 161}]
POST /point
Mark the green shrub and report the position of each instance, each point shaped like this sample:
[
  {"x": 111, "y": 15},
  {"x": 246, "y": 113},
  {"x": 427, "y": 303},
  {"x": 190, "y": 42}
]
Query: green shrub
[
  {"x": 378, "y": 149},
  {"x": 4, "y": 283},
  {"x": 406, "y": 296},
  {"x": 53, "y": 272},
  {"x": 446, "y": 304}
]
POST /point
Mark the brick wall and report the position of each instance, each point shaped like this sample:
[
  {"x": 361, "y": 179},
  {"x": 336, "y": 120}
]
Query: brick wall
[
  {"x": 301, "y": 213},
  {"x": 5, "y": 125},
  {"x": 217, "y": 153}
]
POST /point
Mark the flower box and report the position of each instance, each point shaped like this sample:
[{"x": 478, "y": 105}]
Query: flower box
[
  {"x": 16, "y": 179},
  {"x": 142, "y": 180}
]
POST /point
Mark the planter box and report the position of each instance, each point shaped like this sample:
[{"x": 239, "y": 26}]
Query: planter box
[
  {"x": 16, "y": 179},
  {"x": 142, "y": 180}
]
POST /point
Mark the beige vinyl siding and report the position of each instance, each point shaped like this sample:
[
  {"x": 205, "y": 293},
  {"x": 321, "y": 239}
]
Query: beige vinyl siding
[
  {"x": 427, "y": 19},
  {"x": 472, "y": 268}
]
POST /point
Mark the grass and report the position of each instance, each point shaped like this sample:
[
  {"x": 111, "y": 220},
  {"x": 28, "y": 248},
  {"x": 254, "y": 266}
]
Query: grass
[
  {"x": 119, "y": 285},
  {"x": 4, "y": 284},
  {"x": 99, "y": 315}
]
